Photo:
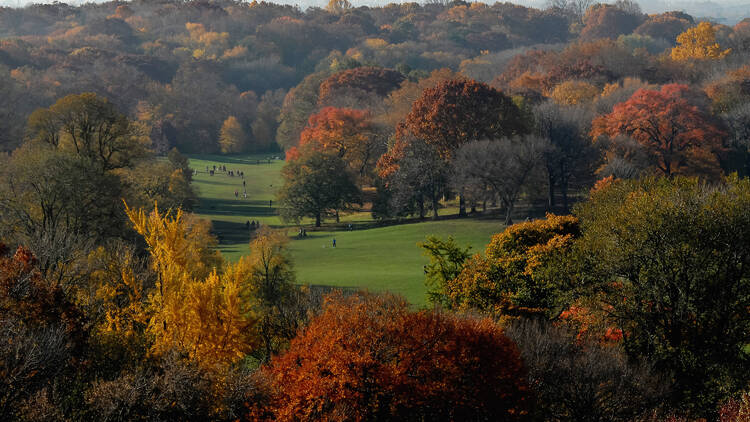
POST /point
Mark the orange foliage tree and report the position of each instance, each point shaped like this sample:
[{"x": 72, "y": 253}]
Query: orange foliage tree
[
  {"x": 512, "y": 278},
  {"x": 369, "y": 357},
  {"x": 346, "y": 133},
  {"x": 675, "y": 133}
]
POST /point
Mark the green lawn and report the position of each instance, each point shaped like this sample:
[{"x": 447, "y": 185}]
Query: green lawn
[{"x": 375, "y": 258}]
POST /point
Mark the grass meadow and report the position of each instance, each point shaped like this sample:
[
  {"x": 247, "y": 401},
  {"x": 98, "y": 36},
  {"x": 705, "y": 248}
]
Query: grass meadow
[{"x": 367, "y": 256}]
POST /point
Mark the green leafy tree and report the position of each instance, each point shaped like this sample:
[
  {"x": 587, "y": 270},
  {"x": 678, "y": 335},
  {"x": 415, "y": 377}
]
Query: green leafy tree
[
  {"x": 316, "y": 184},
  {"x": 671, "y": 260},
  {"x": 446, "y": 262}
]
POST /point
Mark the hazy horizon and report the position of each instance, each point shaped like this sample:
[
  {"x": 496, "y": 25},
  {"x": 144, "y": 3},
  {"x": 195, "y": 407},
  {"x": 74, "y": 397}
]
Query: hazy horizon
[{"x": 730, "y": 11}]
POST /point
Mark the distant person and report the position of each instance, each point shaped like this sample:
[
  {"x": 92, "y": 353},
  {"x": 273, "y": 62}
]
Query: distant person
[
  {"x": 334, "y": 242},
  {"x": 236, "y": 194},
  {"x": 243, "y": 183},
  {"x": 245, "y": 194},
  {"x": 270, "y": 203},
  {"x": 247, "y": 224}
]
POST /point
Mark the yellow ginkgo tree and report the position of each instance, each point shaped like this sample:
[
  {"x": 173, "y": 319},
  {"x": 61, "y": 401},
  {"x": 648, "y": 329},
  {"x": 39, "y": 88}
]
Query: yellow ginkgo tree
[
  {"x": 194, "y": 307},
  {"x": 699, "y": 43}
]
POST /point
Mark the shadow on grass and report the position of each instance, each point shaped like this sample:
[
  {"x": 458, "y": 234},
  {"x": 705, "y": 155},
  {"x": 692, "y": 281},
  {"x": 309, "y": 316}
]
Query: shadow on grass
[
  {"x": 239, "y": 207},
  {"x": 223, "y": 159}
]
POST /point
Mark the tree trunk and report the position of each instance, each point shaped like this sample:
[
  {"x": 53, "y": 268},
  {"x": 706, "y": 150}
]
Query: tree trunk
[
  {"x": 434, "y": 208},
  {"x": 420, "y": 206},
  {"x": 317, "y": 220},
  {"x": 565, "y": 196},
  {"x": 508, "y": 212},
  {"x": 337, "y": 217},
  {"x": 461, "y": 206},
  {"x": 551, "y": 193}
]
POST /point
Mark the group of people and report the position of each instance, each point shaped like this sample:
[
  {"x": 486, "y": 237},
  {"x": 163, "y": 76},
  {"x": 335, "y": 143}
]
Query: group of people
[
  {"x": 230, "y": 173},
  {"x": 252, "y": 225}
]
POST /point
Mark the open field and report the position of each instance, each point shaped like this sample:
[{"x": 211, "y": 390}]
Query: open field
[{"x": 376, "y": 258}]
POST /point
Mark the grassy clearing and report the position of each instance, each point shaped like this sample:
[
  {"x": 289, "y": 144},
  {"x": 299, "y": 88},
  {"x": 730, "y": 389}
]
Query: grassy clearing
[{"x": 375, "y": 258}]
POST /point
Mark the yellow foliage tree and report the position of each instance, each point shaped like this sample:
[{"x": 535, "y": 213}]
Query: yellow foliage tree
[
  {"x": 574, "y": 93},
  {"x": 699, "y": 43},
  {"x": 232, "y": 137},
  {"x": 193, "y": 309}
]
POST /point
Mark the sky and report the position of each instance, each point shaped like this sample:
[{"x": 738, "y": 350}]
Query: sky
[{"x": 725, "y": 11}]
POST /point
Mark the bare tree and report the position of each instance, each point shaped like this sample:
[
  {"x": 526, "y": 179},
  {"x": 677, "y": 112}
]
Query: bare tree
[
  {"x": 575, "y": 8},
  {"x": 504, "y": 166},
  {"x": 570, "y": 155},
  {"x": 582, "y": 380}
]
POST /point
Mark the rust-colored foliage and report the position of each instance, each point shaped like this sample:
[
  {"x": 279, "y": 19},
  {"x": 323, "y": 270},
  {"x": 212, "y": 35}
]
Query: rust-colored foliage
[
  {"x": 25, "y": 295},
  {"x": 368, "y": 79},
  {"x": 511, "y": 278},
  {"x": 459, "y": 111},
  {"x": 369, "y": 357},
  {"x": 679, "y": 136}
]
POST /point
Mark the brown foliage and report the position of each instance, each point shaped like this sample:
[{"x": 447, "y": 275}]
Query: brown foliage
[
  {"x": 373, "y": 80},
  {"x": 458, "y": 111}
]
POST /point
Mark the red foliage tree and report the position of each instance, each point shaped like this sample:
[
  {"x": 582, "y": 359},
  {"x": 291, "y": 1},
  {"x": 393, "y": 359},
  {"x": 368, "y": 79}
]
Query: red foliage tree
[
  {"x": 371, "y": 358},
  {"x": 677, "y": 134}
]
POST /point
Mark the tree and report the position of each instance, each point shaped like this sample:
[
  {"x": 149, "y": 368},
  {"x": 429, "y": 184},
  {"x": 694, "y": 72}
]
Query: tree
[
  {"x": 459, "y": 111},
  {"x": 315, "y": 184},
  {"x": 193, "y": 309},
  {"x": 359, "y": 82},
  {"x": 513, "y": 278},
  {"x": 678, "y": 136},
  {"x": 232, "y": 138},
  {"x": 608, "y": 21},
  {"x": 699, "y": 43},
  {"x": 42, "y": 333},
  {"x": 57, "y": 202},
  {"x": 669, "y": 260},
  {"x": 346, "y": 133},
  {"x": 369, "y": 357},
  {"x": 570, "y": 155},
  {"x": 91, "y": 127},
  {"x": 580, "y": 379},
  {"x": 416, "y": 177},
  {"x": 504, "y": 166},
  {"x": 271, "y": 291},
  {"x": 446, "y": 263},
  {"x": 574, "y": 93}
]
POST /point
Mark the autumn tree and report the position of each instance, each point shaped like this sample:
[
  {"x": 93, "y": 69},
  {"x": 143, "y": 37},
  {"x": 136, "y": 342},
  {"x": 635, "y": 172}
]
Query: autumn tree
[
  {"x": 271, "y": 291},
  {"x": 316, "y": 184},
  {"x": 679, "y": 137},
  {"x": 346, "y": 133},
  {"x": 193, "y": 308},
  {"x": 459, "y": 111},
  {"x": 359, "y": 84},
  {"x": 369, "y": 357},
  {"x": 42, "y": 333},
  {"x": 668, "y": 258},
  {"x": 513, "y": 278},
  {"x": 608, "y": 21},
  {"x": 232, "y": 138},
  {"x": 699, "y": 43},
  {"x": 91, "y": 127}
]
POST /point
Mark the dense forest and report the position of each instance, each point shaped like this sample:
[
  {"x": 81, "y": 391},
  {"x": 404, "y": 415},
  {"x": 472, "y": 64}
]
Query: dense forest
[{"x": 627, "y": 134}]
